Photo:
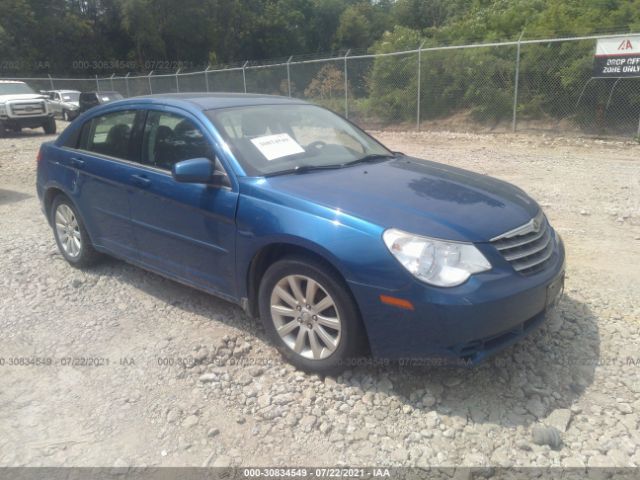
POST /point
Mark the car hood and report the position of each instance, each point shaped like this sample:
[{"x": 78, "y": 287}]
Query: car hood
[
  {"x": 21, "y": 96},
  {"x": 416, "y": 196}
]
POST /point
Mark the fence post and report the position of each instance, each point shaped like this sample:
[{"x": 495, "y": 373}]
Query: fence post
[
  {"x": 289, "y": 75},
  {"x": 515, "y": 85},
  {"x": 51, "y": 82},
  {"x": 419, "y": 86},
  {"x": 177, "y": 82},
  {"x": 244, "y": 77},
  {"x": 149, "y": 79},
  {"x": 639, "y": 127},
  {"x": 111, "y": 81},
  {"x": 346, "y": 86},
  {"x": 126, "y": 83},
  {"x": 97, "y": 84},
  {"x": 206, "y": 78}
]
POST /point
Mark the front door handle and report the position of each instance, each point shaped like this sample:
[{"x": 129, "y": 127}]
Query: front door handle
[
  {"x": 76, "y": 162},
  {"x": 141, "y": 180}
]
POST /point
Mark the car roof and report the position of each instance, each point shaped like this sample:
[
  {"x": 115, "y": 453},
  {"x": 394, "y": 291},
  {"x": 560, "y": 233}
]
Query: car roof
[
  {"x": 215, "y": 100},
  {"x": 11, "y": 81}
]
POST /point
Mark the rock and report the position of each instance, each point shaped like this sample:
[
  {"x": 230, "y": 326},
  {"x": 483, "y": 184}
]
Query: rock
[
  {"x": 173, "y": 415},
  {"x": 244, "y": 378},
  {"x": 201, "y": 354},
  {"x": 240, "y": 420},
  {"x": 625, "y": 408},
  {"x": 573, "y": 462},
  {"x": 385, "y": 385},
  {"x": 429, "y": 400},
  {"x": 452, "y": 381},
  {"x": 523, "y": 445},
  {"x": 190, "y": 421},
  {"x": 535, "y": 407},
  {"x": 559, "y": 419},
  {"x": 501, "y": 457},
  {"x": 330, "y": 382},
  {"x": 208, "y": 377},
  {"x": 213, "y": 432},
  {"x": 543, "y": 435},
  {"x": 307, "y": 422}
]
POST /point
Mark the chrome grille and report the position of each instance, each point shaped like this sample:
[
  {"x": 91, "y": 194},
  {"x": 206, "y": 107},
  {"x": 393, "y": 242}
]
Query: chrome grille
[
  {"x": 26, "y": 109},
  {"x": 529, "y": 247}
]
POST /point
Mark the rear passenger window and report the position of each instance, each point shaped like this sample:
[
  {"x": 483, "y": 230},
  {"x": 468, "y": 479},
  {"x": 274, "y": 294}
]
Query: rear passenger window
[
  {"x": 170, "y": 138},
  {"x": 110, "y": 134}
]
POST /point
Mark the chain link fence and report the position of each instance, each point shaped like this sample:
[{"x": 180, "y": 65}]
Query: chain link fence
[{"x": 524, "y": 85}]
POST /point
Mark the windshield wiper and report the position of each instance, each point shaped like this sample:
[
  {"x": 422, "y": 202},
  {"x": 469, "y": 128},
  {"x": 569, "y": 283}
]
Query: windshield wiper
[
  {"x": 372, "y": 157},
  {"x": 304, "y": 169}
]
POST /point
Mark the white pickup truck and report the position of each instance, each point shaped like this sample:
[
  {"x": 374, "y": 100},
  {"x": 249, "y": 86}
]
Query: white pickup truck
[{"x": 21, "y": 107}]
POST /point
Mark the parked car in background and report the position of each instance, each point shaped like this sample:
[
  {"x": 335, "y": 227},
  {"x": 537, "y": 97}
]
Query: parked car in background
[
  {"x": 93, "y": 99},
  {"x": 337, "y": 243},
  {"x": 64, "y": 103},
  {"x": 21, "y": 107}
]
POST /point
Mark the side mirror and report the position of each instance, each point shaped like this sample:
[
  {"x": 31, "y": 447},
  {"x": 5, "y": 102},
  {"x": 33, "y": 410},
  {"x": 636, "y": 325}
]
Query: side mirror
[{"x": 198, "y": 170}]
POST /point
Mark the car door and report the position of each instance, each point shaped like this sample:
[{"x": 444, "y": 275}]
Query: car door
[
  {"x": 184, "y": 230},
  {"x": 108, "y": 146}
]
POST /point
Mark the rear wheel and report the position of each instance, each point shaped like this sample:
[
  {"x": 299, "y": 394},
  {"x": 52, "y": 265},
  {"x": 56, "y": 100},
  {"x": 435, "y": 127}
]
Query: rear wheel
[
  {"x": 3, "y": 130},
  {"x": 310, "y": 316},
  {"x": 50, "y": 126},
  {"x": 71, "y": 236}
]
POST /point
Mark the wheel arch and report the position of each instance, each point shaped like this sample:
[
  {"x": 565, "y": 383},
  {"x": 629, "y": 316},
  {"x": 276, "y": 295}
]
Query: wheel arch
[
  {"x": 49, "y": 196},
  {"x": 272, "y": 252}
]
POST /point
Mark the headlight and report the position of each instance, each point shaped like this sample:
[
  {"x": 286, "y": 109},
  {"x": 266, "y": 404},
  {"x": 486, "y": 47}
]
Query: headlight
[{"x": 436, "y": 262}]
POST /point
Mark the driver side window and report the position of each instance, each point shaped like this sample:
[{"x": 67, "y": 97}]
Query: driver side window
[{"x": 171, "y": 138}]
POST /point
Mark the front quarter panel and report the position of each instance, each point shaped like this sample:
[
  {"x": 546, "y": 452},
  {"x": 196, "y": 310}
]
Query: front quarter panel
[{"x": 353, "y": 246}]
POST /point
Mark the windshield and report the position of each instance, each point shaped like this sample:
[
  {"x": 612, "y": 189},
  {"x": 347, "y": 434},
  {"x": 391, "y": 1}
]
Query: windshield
[
  {"x": 15, "y": 89},
  {"x": 70, "y": 96},
  {"x": 267, "y": 139}
]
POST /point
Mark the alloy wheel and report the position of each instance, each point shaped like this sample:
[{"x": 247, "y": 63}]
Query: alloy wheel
[
  {"x": 306, "y": 317},
  {"x": 68, "y": 230}
]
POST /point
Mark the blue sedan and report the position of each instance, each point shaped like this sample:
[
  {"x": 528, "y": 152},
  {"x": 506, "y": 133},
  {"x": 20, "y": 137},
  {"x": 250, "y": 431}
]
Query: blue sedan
[{"x": 340, "y": 246}]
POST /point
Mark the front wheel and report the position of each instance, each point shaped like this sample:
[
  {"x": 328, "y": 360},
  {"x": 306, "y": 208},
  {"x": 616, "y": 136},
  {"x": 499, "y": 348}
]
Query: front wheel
[
  {"x": 71, "y": 236},
  {"x": 310, "y": 316},
  {"x": 49, "y": 126}
]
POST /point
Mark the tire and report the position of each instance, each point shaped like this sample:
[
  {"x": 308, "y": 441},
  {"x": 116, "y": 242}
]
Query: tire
[
  {"x": 50, "y": 126},
  {"x": 291, "y": 311},
  {"x": 3, "y": 130},
  {"x": 70, "y": 234}
]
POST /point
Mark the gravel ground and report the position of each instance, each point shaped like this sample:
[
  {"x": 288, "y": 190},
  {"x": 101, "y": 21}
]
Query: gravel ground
[{"x": 183, "y": 378}]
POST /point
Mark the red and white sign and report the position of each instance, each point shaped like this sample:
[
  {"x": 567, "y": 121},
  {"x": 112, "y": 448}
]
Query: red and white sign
[
  {"x": 609, "y": 47},
  {"x": 617, "y": 57}
]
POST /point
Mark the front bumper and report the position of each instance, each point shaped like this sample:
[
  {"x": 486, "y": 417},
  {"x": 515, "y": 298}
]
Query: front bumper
[
  {"x": 26, "y": 122},
  {"x": 486, "y": 314}
]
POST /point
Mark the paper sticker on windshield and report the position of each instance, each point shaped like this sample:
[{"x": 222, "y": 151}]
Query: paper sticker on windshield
[
  {"x": 277, "y": 146},
  {"x": 105, "y": 99}
]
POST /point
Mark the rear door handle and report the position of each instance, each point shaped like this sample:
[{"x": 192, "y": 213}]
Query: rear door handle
[
  {"x": 76, "y": 162},
  {"x": 140, "y": 180}
]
